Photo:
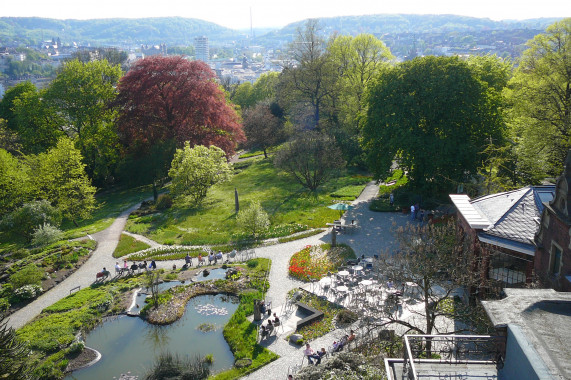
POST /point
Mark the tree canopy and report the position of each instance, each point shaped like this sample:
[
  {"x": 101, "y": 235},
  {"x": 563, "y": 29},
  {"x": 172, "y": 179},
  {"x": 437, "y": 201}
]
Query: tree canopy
[
  {"x": 540, "y": 92},
  {"x": 262, "y": 127},
  {"x": 434, "y": 117},
  {"x": 311, "y": 159},
  {"x": 59, "y": 176},
  {"x": 195, "y": 170},
  {"x": 163, "y": 98}
]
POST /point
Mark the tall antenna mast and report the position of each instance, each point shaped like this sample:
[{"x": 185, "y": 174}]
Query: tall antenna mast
[{"x": 251, "y": 28}]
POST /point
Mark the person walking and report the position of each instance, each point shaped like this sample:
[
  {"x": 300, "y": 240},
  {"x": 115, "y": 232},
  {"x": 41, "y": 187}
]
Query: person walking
[
  {"x": 392, "y": 199},
  {"x": 411, "y": 212}
]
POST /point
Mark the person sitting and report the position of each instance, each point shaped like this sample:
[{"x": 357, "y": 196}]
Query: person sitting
[
  {"x": 351, "y": 336},
  {"x": 219, "y": 256},
  {"x": 311, "y": 355},
  {"x": 262, "y": 307},
  {"x": 134, "y": 267},
  {"x": 270, "y": 327},
  {"x": 264, "y": 332},
  {"x": 188, "y": 260},
  {"x": 118, "y": 269},
  {"x": 200, "y": 260},
  {"x": 322, "y": 352},
  {"x": 125, "y": 266},
  {"x": 276, "y": 320},
  {"x": 142, "y": 266},
  {"x": 211, "y": 258},
  {"x": 145, "y": 264},
  {"x": 153, "y": 265},
  {"x": 336, "y": 346}
]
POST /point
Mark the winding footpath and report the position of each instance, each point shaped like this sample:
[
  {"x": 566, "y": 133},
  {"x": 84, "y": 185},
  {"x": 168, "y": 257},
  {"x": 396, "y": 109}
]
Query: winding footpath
[{"x": 373, "y": 236}]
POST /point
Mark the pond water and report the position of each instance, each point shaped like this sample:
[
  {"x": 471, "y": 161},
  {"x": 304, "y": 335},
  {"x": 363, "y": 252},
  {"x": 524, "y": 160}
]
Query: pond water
[
  {"x": 215, "y": 274},
  {"x": 131, "y": 344}
]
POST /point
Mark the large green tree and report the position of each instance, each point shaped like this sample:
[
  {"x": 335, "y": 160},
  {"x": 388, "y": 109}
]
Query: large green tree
[
  {"x": 82, "y": 94},
  {"x": 14, "y": 182},
  {"x": 311, "y": 158},
  {"x": 59, "y": 176},
  {"x": 540, "y": 93},
  {"x": 307, "y": 85},
  {"x": 263, "y": 128},
  {"x": 359, "y": 60},
  {"x": 431, "y": 115}
]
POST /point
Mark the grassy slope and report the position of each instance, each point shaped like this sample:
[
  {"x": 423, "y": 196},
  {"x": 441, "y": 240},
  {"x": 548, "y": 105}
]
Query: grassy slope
[{"x": 213, "y": 222}]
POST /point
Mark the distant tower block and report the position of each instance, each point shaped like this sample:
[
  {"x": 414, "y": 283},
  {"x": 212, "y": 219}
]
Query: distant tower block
[{"x": 201, "y": 50}]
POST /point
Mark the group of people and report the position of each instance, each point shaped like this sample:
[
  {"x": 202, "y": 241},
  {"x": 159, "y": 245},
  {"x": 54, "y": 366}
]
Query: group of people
[
  {"x": 266, "y": 331},
  {"x": 312, "y": 355},
  {"x": 338, "y": 346},
  {"x": 212, "y": 257},
  {"x": 134, "y": 267}
]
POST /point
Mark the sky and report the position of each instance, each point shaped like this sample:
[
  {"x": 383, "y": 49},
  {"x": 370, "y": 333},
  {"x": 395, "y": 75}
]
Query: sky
[{"x": 277, "y": 13}]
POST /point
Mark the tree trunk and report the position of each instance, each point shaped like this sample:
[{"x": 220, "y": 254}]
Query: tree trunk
[{"x": 265, "y": 153}]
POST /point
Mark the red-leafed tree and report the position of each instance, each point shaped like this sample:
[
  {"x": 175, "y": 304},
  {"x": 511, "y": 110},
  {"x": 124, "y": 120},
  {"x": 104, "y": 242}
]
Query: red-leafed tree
[{"x": 163, "y": 99}]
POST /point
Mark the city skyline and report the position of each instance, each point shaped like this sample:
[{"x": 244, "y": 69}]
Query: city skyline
[{"x": 236, "y": 15}]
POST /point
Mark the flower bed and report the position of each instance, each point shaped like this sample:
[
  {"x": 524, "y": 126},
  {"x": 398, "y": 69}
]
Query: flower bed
[{"x": 313, "y": 262}]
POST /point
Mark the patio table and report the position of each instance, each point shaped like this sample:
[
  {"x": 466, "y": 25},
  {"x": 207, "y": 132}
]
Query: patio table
[
  {"x": 357, "y": 268},
  {"x": 325, "y": 281},
  {"x": 342, "y": 289},
  {"x": 343, "y": 273},
  {"x": 366, "y": 282}
]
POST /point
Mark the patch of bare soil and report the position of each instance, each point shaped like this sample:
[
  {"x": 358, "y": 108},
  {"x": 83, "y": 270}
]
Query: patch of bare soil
[{"x": 81, "y": 360}]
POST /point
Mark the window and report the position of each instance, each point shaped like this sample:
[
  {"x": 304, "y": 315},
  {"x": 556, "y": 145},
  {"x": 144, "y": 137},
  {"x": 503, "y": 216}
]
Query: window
[{"x": 555, "y": 260}]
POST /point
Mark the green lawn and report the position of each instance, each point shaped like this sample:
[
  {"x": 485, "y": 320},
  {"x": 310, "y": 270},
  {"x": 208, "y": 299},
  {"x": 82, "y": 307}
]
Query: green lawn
[
  {"x": 109, "y": 205},
  {"x": 128, "y": 244},
  {"x": 291, "y": 208}
]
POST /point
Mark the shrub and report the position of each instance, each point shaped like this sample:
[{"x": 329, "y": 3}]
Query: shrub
[
  {"x": 169, "y": 366},
  {"x": 31, "y": 215},
  {"x": 29, "y": 275},
  {"x": 209, "y": 359},
  {"x": 4, "y": 305},
  {"x": 253, "y": 220},
  {"x": 252, "y": 263},
  {"x": 347, "y": 316},
  {"x": 46, "y": 234},
  {"x": 28, "y": 292},
  {"x": 164, "y": 202},
  {"x": 76, "y": 347}
]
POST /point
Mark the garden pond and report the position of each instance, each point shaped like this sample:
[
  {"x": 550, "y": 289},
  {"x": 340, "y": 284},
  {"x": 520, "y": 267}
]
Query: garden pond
[{"x": 131, "y": 344}]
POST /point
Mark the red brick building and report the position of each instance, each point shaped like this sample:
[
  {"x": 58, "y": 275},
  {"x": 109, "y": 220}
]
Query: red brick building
[{"x": 553, "y": 239}]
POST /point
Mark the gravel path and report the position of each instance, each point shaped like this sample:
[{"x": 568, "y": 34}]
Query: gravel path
[{"x": 107, "y": 241}]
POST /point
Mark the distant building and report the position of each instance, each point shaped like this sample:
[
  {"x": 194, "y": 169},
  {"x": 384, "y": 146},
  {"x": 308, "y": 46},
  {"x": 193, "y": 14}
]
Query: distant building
[
  {"x": 553, "y": 240},
  {"x": 154, "y": 50},
  {"x": 201, "y": 49}
]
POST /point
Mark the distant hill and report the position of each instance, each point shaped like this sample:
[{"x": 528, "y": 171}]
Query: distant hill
[
  {"x": 383, "y": 24},
  {"x": 16, "y": 31},
  {"x": 116, "y": 31}
]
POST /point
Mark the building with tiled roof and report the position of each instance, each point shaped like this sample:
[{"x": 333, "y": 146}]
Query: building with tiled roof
[{"x": 502, "y": 228}]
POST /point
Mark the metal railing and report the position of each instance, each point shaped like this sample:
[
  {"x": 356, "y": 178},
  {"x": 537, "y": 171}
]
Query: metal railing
[{"x": 451, "y": 349}]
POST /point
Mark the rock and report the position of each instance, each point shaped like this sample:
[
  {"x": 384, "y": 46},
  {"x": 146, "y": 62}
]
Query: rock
[
  {"x": 241, "y": 363},
  {"x": 294, "y": 338}
]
